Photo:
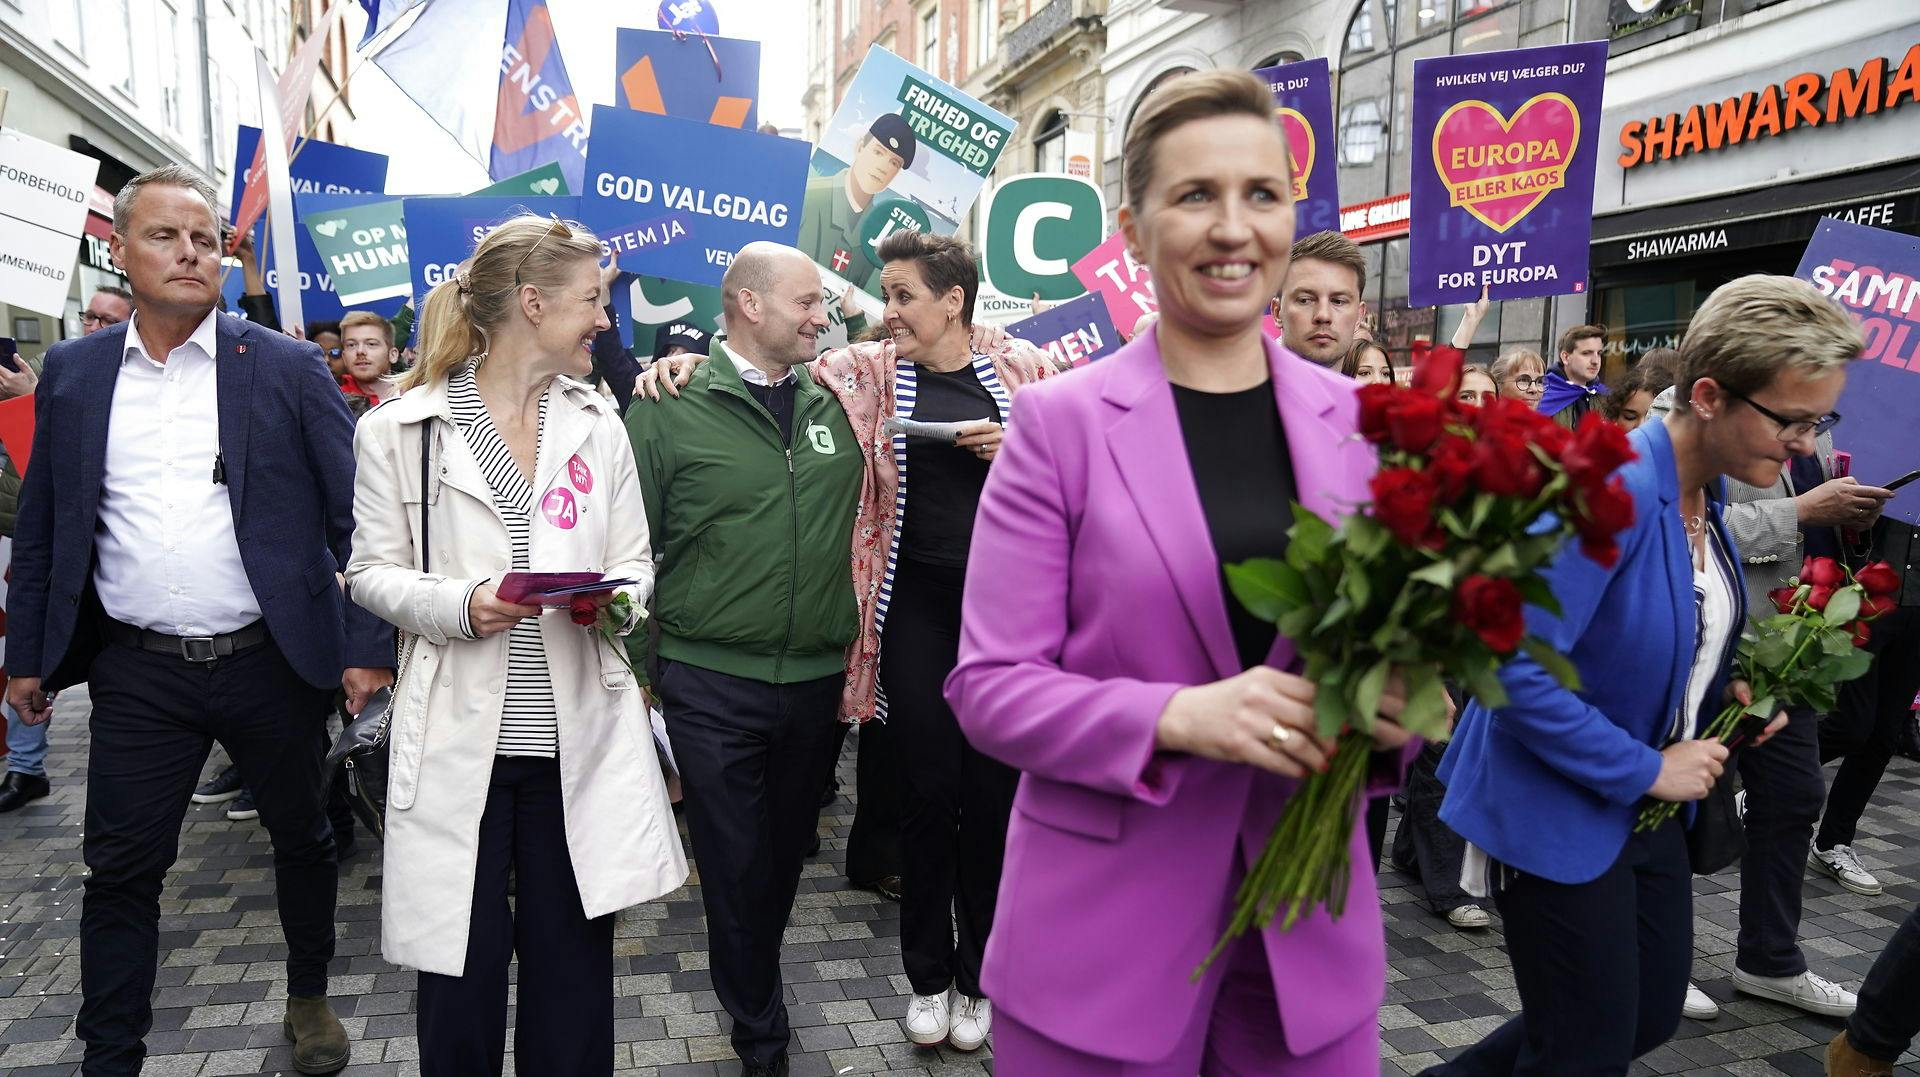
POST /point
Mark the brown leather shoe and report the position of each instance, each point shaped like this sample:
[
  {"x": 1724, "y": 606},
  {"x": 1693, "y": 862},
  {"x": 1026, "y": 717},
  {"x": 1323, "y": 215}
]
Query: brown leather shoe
[
  {"x": 1844, "y": 1061},
  {"x": 319, "y": 1040}
]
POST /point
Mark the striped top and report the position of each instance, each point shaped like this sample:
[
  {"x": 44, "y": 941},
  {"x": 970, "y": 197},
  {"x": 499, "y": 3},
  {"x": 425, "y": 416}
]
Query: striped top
[{"x": 527, "y": 719}]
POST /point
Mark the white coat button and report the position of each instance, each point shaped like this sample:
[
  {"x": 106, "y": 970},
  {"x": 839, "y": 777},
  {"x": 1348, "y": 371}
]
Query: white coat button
[
  {"x": 493, "y": 686},
  {"x": 446, "y": 682}
]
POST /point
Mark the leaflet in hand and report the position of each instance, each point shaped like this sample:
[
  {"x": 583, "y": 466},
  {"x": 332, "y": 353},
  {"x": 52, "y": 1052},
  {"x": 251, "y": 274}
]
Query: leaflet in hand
[
  {"x": 947, "y": 432},
  {"x": 554, "y": 588}
]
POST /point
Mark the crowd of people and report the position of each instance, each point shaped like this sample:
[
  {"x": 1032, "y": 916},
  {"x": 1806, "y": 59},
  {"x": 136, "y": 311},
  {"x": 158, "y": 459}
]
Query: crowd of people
[{"x": 1072, "y": 742}]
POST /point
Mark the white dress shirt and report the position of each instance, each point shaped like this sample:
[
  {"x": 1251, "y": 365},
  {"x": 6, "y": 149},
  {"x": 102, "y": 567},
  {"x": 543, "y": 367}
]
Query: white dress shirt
[
  {"x": 751, "y": 374},
  {"x": 168, "y": 557}
]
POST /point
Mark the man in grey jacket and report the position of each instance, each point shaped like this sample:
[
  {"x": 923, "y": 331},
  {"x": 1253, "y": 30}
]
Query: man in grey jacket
[{"x": 1775, "y": 527}]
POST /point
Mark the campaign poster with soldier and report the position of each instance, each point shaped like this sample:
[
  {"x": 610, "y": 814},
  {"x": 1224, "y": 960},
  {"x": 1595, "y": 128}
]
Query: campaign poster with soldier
[{"x": 904, "y": 150}]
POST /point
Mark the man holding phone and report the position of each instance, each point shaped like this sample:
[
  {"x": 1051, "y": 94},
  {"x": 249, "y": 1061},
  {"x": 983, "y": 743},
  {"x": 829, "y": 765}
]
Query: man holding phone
[{"x": 1803, "y": 514}]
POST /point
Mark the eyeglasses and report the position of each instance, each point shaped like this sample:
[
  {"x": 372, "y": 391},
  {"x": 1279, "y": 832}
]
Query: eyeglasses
[
  {"x": 1791, "y": 429},
  {"x": 332, "y": 353},
  {"x": 535, "y": 247},
  {"x": 88, "y": 317},
  {"x": 1527, "y": 381}
]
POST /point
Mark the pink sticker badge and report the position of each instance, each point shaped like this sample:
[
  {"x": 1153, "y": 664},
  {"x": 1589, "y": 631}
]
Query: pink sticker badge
[
  {"x": 559, "y": 509},
  {"x": 581, "y": 475}
]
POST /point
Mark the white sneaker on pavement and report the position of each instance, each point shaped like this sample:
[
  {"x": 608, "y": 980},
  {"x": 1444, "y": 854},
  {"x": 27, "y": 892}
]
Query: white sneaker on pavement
[
  {"x": 1467, "y": 917},
  {"x": 1843, "y": 864},
  {"x": 972, "y": 1020},
  {"x": 1814, "y": 994},
  {"x": 1698, "y": 1006},
  {"x": 929, "y": 1019}
]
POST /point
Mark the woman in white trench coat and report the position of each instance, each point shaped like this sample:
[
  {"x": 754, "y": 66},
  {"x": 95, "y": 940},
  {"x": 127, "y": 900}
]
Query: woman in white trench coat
[{"x": 518, "y": 739}]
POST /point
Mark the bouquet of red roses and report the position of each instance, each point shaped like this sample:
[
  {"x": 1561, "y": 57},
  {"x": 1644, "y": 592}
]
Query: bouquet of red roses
[
  {"x": 1799, "y": 656},
  {"x": 1428, "y": 583}
]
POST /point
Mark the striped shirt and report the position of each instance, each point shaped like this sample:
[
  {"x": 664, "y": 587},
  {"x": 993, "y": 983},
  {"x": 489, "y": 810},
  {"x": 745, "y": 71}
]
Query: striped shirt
[{"x": 527, "y": 719}]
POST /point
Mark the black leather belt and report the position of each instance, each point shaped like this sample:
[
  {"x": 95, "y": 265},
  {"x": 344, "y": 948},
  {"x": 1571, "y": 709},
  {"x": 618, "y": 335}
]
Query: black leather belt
[{"x": 191, "y": 648}]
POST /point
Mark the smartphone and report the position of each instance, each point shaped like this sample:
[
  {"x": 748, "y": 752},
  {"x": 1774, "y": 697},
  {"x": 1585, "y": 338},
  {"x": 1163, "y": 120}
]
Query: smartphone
[
  {"x": 9, "y": 354},
  {"x": 1902, "y": 480}
]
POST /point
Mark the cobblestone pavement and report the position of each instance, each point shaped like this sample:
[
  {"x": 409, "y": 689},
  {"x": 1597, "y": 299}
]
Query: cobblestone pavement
[{"x": 221, "y": 981}]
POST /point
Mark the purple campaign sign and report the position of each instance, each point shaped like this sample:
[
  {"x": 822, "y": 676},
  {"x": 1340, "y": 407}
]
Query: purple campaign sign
[
  {"x": 442, "y": 232},
  {"x": 1504, "y": 149},
  {"x": 1077, "y": 331},
  {"x": 322, "y": 168},
  {"x": 1303, "y": 100},
  {"x": 1875, "y": 274}
]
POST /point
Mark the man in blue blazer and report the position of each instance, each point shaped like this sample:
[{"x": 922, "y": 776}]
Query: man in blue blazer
[{"x": 181, "y": 528}]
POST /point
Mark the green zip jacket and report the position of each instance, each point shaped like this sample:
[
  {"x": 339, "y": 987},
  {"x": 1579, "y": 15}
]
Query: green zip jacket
[{"x": 752, "y": 536}]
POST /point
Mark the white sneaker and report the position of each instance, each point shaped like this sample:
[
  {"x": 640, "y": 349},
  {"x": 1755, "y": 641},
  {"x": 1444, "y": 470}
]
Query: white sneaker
[
  {"x": 1844, "y": 866},
  {"x": 1698, "y": 1006},
  {"x": 1467, "y": 917},
  {"x": 972, "y": 1020},
  {"x": 928, "y": 1019},
  {"x": 1814, "y": 994}
]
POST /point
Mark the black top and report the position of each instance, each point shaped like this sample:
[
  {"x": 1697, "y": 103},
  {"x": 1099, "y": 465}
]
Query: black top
[
  {"x": 943, "y": 480},
  {"x": 1238, "y": 453},
  {"x": 777, "y": 399}
]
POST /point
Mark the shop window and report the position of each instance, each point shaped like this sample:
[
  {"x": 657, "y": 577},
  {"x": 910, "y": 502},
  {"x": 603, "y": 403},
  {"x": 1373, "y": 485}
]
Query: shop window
[
  {"x": 1375, "y": 107},
  {"x": 1050, "y": 143}
]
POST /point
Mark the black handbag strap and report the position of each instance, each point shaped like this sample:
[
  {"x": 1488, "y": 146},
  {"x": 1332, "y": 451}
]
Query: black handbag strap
[{"x": 426, "y": 487}]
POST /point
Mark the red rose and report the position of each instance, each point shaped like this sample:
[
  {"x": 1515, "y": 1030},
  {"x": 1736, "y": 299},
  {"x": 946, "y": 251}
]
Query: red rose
[
  {"x": 1861, "y": 633},
  {"x": 1491, "y": 608},
  {"x": 1875, "y": 606},
  {"x": 1437, "y": 373},
  {"x": 1503, "y": 465},
  {"x": 1783, "y": 598},
  {"x": 1403, "y": 503},
  {"x": 1822, "y": 570},
  {"x": 1879, "y": 579},
  {"x": 1597, "y": 449},
  {"x": 1818, "y": 596},
  {"x": 1603, "y": 511},
  {"x": 1414, "y": 422},
  {"x": 1374, "y": 402},
  {"x": 1451, "y": 465},
  {"x": 1601, "y": 551},
  {"x": 583, "y": 611}
]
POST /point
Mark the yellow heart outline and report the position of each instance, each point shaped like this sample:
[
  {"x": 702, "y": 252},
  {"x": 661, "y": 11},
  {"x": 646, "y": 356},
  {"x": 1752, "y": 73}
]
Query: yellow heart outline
[
  {"x": 1506, "y": 125},
  {"x": 1300, "y": 172}
]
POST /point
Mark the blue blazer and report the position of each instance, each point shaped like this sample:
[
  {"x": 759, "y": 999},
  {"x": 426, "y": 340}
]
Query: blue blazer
[
  {"x": 287, "y": 441},
  {"x": 1551, "y": 784}
]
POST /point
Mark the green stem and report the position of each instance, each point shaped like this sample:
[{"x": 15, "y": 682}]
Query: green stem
[{"x": 1306, "y": 861}]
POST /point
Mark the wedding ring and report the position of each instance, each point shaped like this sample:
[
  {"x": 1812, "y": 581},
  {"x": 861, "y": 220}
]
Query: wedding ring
[{"x": 1280, "y": 734}]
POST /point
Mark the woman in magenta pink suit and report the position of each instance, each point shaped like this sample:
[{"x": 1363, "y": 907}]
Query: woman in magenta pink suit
[{"x": 1157, "y": 737}]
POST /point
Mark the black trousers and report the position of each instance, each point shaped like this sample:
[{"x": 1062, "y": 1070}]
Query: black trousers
[
  {"x": 564, "y": 998},
  {"x": 873, "y": 846},
  {"x": 155, "y": 718},
  {"x": 954, "y": 837},
  {"x": 1784, "y": 791},
  {"x": 1424, "y": 845},
  {"x": 1887, "y": 1019},
  {"x": 1865, "y": 728},
  {"x": 1601, "y": 966},
  {"x": 753, "y": 759}
]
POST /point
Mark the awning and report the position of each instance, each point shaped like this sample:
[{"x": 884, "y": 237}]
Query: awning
[{"x": 1883, "y": 197}]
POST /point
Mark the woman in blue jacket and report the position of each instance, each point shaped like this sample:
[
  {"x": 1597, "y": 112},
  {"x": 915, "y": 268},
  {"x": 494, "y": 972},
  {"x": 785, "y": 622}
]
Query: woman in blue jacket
[{"x": 1547, "y": 790}]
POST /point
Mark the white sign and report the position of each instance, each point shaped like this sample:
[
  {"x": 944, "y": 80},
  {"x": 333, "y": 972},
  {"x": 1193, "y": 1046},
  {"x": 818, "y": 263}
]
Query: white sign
[{"x": 43, "y": 213}]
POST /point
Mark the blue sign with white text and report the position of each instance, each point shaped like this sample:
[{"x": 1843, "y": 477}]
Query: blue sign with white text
[
  {"x": 442, "y": 232},
  {"x": 321, "y": 168},
  {"x": 682, "y": 212},
  {"x": 1077, "y": 331}
]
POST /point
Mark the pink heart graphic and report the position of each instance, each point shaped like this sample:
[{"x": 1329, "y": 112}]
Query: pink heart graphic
[
  {"x": 1300, "y": 149},
  {"x": 1499, "y": 169}
]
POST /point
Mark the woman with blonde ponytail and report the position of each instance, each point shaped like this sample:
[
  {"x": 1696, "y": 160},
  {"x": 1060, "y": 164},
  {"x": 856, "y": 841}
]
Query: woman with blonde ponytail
[{"x": 518, "y": 740}]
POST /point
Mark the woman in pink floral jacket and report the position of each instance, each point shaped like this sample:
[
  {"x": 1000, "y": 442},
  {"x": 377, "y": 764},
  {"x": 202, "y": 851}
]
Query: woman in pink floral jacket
[{"x": 923, "y": 402}]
